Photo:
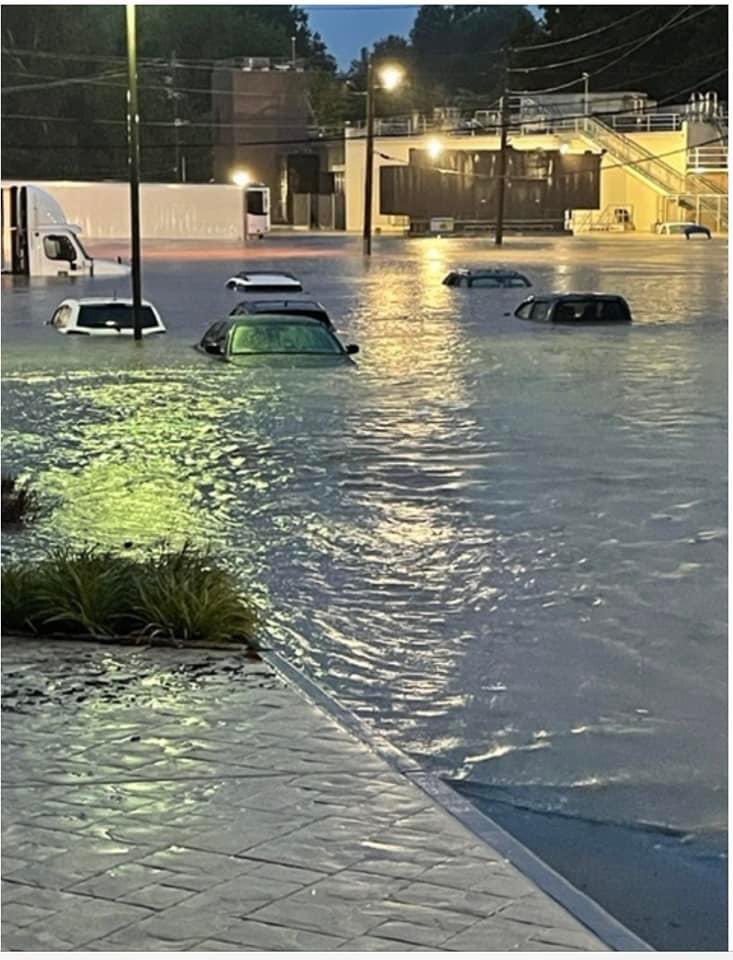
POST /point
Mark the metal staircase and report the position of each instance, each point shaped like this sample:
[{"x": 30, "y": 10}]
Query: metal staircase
[{"x": 692, "y": 191}]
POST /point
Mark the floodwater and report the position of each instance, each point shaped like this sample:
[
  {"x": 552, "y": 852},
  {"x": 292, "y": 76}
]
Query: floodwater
[{"x": 502, "y": 544}]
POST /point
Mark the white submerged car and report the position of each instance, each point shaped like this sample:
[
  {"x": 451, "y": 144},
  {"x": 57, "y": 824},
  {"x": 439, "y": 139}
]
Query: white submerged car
[
  {"x": 264, "y": 281},
  {"x": 103, "y": 317}
]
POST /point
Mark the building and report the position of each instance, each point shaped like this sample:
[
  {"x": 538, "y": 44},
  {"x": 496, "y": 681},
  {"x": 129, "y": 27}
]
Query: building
[
  {"x": 262, "y": 115},
  {"x": 602, "y": 161}
]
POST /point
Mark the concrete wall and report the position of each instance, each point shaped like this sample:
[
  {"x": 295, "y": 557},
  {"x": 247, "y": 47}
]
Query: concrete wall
[{"x": 167, "y": 211}]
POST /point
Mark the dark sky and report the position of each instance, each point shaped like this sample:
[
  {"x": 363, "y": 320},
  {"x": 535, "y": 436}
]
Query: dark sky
[{"x": 347, "y": 29}]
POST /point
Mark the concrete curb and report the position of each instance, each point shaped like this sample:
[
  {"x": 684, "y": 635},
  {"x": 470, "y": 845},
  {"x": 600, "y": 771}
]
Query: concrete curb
[{"x": 586, "y": 911}]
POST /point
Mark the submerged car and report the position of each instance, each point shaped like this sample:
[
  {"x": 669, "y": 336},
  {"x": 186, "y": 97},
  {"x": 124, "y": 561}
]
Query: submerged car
[
  {"x": 290, "y": 308},
  {"x": 300, "y": 341},
  {"x": 104, "y": 317},
  {"x": 264, "y": 281},
  {"x": 577, "y": 308},
  {"x": 491, "y": 278},
  {"x": 687, "y": 229}
]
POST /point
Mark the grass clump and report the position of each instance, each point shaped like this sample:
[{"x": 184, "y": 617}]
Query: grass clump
[
  {"x": 177, "y": 596},
  {"x": 18, "y": 502}
]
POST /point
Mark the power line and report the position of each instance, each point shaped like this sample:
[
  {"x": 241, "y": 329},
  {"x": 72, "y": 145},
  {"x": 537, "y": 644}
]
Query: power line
[
  {"x": 674, "y": 21},
  {"x": 646, "y": 76},
  {"x": 580, "y": 36},
  {"x": 62, "y": 81},
  {"x": 598, "y": 114}
]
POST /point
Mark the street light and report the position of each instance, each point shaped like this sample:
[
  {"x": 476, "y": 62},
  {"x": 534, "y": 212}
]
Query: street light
[
  {"x": 390, "y": 77},
  {"x": 241, "y": 178},
  {"x": 434, "y": 148}
]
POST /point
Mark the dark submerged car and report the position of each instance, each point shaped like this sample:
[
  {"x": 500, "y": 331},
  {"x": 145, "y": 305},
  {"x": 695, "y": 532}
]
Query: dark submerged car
[
  {"x": 276, "y": 339},
  {"x": 490, "y": 279},
  {"x": 575, "y": 308},
  {"x": 264, "y": 281},
  {"x": 289, "y": 308}
]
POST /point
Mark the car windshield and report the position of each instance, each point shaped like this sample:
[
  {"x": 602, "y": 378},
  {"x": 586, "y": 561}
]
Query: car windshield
[
  {"x": 113, "y": 315},
  {"x": 282, "y": 338}
]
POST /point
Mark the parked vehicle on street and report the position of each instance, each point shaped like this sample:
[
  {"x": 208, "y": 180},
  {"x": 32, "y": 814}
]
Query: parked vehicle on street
[
  {"x": 104, "y": 317},
  {"x": 575, "y": 308},
  {"x": 493, "y": 278},
  {"x": 683, "y": 228},
  {"x": 264, "y": 281},
  {"x": 290, "y": 308},
  {"x": 278, "y": 338},
  {"x": 37, "y": 241}
]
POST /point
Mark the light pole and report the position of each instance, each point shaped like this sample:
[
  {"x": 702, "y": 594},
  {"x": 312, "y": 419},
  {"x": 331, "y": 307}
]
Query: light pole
[
  {"x": 369, "y": 161},
  {"x": 390, "y": 78},
  {"x": 586, "y": 94},
  {"x": 133, "y": 159}
]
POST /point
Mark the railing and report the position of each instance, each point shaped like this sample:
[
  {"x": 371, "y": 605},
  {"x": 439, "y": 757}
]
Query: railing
[
  {"x": 646, "y": 122},
  {"x": 710, "y": 210},
  {"x": 707, "y": 158}
]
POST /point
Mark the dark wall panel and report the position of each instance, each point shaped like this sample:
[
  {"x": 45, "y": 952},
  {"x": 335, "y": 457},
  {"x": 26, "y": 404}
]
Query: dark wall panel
[{"x": 541, "y": 185}]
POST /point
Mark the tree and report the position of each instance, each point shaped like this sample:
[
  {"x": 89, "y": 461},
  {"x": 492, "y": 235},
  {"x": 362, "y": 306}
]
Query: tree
[
  {"x": 84, "y": 135},
  {"x": 677, "y": 58}
]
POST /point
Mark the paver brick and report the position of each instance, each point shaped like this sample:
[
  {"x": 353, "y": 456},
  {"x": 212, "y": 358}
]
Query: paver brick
[{"x": 234, "y": 817}]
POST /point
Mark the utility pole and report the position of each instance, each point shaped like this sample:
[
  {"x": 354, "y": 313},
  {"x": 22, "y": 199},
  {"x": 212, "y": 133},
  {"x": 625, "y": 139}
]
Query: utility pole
[
  {"x": 586, "y": 93},
  {"x": 133, "y": 160},
  {"x": 369, "y": 160},
  {"x": 176, "y": 122},
  {"x": 503, "y": 148}
]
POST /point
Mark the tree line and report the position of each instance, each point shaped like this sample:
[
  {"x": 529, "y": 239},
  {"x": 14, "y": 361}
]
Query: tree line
[{"x": 64, "y": 73}]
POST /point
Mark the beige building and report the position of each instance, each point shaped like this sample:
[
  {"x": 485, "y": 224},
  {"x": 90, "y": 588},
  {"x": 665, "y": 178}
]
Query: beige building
[{"x": 656, "y": 165}]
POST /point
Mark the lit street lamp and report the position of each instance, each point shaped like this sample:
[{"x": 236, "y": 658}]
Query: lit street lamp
[
  {"x": 241, "y": 178},
  {"x": 434, "y": 148},
  {"x": 390, "y": 78}
]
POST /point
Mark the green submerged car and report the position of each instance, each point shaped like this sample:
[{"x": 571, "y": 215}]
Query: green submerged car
[{"x": 275, "y": 340}]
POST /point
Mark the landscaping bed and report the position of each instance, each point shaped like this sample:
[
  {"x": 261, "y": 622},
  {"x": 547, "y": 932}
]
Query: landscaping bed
[{"x": 173, "y": 597}]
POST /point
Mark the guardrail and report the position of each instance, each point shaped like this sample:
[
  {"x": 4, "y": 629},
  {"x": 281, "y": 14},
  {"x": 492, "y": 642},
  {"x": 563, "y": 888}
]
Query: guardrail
[
  {"x": 711, "y": 159},
  {"x": 646, "y": 122}
]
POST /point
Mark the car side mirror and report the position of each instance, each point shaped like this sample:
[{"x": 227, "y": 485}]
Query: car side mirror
[
  {"x": 352, "y": 348},
  {"x": 211, "y": 347},
  {"x": 72, "y": 264}
]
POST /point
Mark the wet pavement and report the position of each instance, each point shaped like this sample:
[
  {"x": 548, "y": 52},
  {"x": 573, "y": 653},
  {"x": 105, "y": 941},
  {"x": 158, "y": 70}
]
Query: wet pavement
[{"x": 158, "y": 799}]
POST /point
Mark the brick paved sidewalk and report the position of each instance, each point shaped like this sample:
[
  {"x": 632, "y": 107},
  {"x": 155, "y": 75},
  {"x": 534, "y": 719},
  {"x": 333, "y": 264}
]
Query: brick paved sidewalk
[{"x": 185, "y": 800}]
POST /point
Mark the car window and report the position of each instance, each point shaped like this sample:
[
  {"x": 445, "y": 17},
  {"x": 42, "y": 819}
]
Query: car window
[
  {"x": 59, "y": 248},
  {"x": 524, "y": 311},
  {"x": 282, "y": 338},
  {"x": 119, "y": 315},
  {"x": 484, "y": 282},
  {"x": 538, "y": 310},
  {"x": 613, "y": 311},
  {"x": 516, "y": 282}
]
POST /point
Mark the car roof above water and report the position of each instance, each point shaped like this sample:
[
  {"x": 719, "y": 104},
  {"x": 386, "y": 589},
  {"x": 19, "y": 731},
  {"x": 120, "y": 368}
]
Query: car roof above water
[{"x": 272, "y": 306}]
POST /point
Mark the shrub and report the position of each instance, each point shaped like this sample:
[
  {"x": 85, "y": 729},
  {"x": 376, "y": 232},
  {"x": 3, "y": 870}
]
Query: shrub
[
  {"x": 86, "y": 591},
  {"x": 185, "y": 595},
  {"x": 18, "y": 502},
  {"x": 175, "y": 595}
]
